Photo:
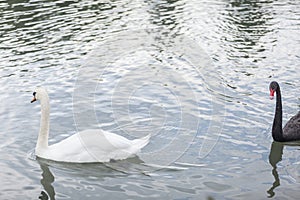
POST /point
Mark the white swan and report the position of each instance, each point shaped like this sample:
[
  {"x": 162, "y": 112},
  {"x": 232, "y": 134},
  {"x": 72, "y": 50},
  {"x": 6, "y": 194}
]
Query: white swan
[{"x": 83, "y": 147}]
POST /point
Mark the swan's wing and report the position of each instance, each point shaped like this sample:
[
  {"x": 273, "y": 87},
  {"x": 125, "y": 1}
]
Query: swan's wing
[
  {"x": 69, "y": 150},
  {"x": 292, "y": 127},
  {"x": 91, "y": 146},
  {"x": 105, "y": 139},
  {"x": 94, "y": 146}
]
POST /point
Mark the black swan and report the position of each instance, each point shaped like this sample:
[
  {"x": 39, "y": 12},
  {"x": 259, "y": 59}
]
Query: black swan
[{"x": 291, "y": 130}]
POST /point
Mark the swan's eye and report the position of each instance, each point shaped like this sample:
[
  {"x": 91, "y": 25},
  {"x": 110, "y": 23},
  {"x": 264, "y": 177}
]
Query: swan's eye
[{"x": 34, "y": 93}]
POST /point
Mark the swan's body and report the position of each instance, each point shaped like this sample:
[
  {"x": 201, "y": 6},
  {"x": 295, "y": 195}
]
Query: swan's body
[
  {"x": 85, "y": 146},
  {"x": 291, "y": 131}
]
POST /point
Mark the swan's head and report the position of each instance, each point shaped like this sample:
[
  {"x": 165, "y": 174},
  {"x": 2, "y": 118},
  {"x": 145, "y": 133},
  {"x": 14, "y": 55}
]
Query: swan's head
[
  {"x": 273, "y": 87},
  {"x": 39, "y": 94}
]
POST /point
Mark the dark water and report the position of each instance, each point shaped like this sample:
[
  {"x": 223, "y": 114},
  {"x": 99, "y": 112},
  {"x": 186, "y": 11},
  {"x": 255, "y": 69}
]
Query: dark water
[{"x": 194, "y": 74}]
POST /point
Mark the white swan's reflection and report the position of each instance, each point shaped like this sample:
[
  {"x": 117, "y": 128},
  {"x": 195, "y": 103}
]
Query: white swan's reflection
[
  {"x": 96, "y": 171},
  {"x": 46, "y": 181}
]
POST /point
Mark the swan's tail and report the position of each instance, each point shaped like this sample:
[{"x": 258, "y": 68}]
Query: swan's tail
[{"x": 138, "y": 144}]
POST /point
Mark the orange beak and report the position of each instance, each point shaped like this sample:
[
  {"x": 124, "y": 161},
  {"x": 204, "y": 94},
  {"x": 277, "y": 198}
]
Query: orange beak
[{"x": 33, "y": 100}]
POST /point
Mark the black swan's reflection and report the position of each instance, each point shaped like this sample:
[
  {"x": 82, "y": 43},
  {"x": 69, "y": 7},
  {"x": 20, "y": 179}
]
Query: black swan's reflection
[{"x": 274, "y": 157}]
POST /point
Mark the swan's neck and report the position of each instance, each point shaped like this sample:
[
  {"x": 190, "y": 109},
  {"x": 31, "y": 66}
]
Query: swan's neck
[
  {"x": 42, "y": 142},
  {"x": 277, "y": 123}
]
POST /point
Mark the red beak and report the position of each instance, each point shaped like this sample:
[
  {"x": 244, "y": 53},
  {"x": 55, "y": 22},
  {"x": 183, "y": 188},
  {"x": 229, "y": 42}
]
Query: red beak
[{"x": 272, "y": 93}]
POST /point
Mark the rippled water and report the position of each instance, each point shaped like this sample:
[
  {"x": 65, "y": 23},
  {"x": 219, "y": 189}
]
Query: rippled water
[{"x": 194, "y": 74}]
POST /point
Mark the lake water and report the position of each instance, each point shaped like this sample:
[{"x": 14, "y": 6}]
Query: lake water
[{"x": 193, "y": 74}]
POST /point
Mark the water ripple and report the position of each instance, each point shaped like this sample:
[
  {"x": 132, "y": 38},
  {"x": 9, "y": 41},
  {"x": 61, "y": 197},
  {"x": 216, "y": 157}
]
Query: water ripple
[{"x": 249, "y": 43}]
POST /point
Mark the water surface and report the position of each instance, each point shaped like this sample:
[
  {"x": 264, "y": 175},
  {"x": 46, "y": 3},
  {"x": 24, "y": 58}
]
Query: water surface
[{"x": 193, "y": 74}]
